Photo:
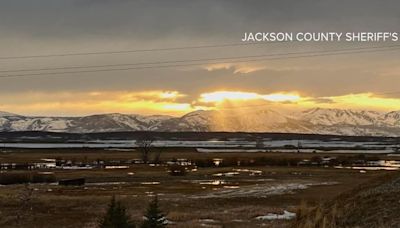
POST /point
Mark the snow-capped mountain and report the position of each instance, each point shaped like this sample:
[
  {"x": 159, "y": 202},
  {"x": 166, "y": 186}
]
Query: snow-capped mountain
[
  {"x": 313, "y": 121},
  {"x": 330, "y": 117},
  {"x": 391, "y": 119},
  {"x": 350, "y": 122}
]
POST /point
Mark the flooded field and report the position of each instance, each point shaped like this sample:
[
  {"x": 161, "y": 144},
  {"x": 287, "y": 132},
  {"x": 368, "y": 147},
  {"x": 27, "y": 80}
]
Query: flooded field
[
  {"x": 232, "y": 145},
  {"x": 207, "y": 142},
  {"x": 240, "y": 194}
]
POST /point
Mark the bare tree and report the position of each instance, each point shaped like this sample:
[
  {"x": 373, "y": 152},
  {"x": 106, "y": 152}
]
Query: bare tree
[
  {"x": 145, "y": 145},
  {"x": 259, "y": 143},
  {"x": 157, "y": 155}
]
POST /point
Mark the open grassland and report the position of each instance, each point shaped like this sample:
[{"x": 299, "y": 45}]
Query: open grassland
[
  {"x": 89, "y": 154},
  {"x": 229, "y": 196}
]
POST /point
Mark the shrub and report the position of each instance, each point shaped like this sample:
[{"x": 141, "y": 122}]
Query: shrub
[
  {"x": 14, "y": 178},
  {"x": 43, "y": 178},
  {"x": 25, "y": 178},
  {"x": 177, "y": 170}
]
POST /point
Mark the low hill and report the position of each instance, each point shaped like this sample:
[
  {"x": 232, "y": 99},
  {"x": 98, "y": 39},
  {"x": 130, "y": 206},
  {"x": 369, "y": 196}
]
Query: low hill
[{"x": 374, "y": 205}]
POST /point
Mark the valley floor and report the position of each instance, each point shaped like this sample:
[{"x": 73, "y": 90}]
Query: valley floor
[{"x": 229, "y": 196}]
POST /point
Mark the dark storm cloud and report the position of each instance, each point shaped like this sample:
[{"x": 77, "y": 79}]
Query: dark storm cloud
[{"x": 146, "y": 19}]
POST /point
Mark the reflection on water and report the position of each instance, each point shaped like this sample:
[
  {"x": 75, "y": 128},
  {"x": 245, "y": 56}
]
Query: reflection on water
[
  {"x": 105, "y": 183},
  {"x": 232, "y": 187},
  {"x": 372, "y": 168},
  {"x": 235, "y": 172},
  {"x": 389, "y": 165},
  {"x": 213, "y": 182},
  {"x": 150, "y": 183},
  {"x": 261, "y": 190},
  {"x": 251, "y": 172},
  {"x": 271, "y": 216},
  {"x": 227, "y": 174}
]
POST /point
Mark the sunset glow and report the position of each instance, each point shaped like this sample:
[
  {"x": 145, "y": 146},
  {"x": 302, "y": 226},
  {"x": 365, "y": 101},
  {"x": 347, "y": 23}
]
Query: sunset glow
[
  {"x": 177, "y": 103},
  {"x": 281, "y": 97},
  {"x": 227, "y": 95},
  {"x": 221, "y": 96}
]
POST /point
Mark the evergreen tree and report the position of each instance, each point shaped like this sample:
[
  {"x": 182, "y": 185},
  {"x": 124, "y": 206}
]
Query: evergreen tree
[
  {"x": 154, "y": 217},
  {"x": 116, "y": 216}
]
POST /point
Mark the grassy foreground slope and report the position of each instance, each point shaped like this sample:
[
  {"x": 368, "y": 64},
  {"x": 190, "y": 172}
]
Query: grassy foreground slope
[{"x": 373, "y": 204}]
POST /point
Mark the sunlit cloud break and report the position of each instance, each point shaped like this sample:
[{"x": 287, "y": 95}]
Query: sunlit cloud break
[
  {"x": 176, "y": 103},
  {"x": 94, "y": 102},
  {"x": 221, "y": 96}
]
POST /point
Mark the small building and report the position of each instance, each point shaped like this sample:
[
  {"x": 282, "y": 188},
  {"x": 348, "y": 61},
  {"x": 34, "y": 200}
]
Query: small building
[{"x": 180, "y": 161}]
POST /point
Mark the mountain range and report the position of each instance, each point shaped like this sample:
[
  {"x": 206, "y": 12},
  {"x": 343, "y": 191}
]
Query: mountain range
[{"x": 313, "y": 121}]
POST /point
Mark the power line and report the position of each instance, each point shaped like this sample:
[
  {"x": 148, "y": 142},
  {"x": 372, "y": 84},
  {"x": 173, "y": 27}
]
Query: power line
[
  {"x": 137, "y": 50},
  {"x": 318, "y": 54},
  {"x": 197, "y": 60}
]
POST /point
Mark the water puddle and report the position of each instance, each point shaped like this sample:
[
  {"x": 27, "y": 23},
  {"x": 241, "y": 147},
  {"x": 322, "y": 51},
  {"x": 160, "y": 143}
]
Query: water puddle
[
  {"x": 261, "y": 190},
  {"x": 235, "y": 172},
  {"x": 232, "y": 187},
  {"x": 389, "y": 165},
  {"x": 227, "y": 174},
  {"x": 150, "y": 183},
  {"x": 117, "y": 167},
  {"x": 271, "y": 216},
  {"x": 252, "y": 172},
  {"x": 105, "y": 183},
  {"x": 213, "y": 182}
]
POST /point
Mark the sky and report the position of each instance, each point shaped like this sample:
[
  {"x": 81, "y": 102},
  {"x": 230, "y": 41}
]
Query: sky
[{"x": 45, "y": 27}]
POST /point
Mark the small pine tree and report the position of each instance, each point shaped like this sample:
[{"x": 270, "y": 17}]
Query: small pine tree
[
  {"x": 154, "y": 217},
  {"x": 116, "y": 216}
]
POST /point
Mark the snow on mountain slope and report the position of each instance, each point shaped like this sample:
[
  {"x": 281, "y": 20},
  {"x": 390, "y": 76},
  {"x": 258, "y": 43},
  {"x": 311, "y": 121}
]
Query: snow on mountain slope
[
  {"x": 315, "y": 121},
  {"x": 390, "y": 119},
  {"x": 116, "y": 122},
  {"x": 193, "y": 121},
  {"x": 234, "y": 120},
  {"x": 331, "y": 117},
  {"x": 199, "y": 117},
  {"x": 256, "y": 120}
]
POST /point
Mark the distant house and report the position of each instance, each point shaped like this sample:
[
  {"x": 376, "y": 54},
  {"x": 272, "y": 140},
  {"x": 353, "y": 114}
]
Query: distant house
[
  {"x": 17, "y": 166},
  {"x": 46, "y": 164},
  {"x": 327, "y": 160},
  {"x": 217, "y": 161},
  {"x": 180, "y": 161}
]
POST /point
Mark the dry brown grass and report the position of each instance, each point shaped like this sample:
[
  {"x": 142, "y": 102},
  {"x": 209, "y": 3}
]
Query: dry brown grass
[
  {"x": 58, "y": 206},
  {"x": 365, "y": 205}
]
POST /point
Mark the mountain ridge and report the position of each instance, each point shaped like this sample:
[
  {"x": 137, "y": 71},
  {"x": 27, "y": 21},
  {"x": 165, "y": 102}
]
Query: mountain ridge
[{"x": 311, "y": 121}]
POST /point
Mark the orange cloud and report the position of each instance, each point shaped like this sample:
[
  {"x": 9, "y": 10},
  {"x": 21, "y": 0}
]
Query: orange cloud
[
  {"x": 171, "y": 102},
  {"x": 221, "y": 96},
  {"x": 68, "y": 103}
]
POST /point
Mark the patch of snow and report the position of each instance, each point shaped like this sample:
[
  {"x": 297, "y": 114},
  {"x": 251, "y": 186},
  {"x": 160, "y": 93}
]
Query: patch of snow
[
  {"x": 262, "y": 190},
  {"x": 271, "y": 216}
]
